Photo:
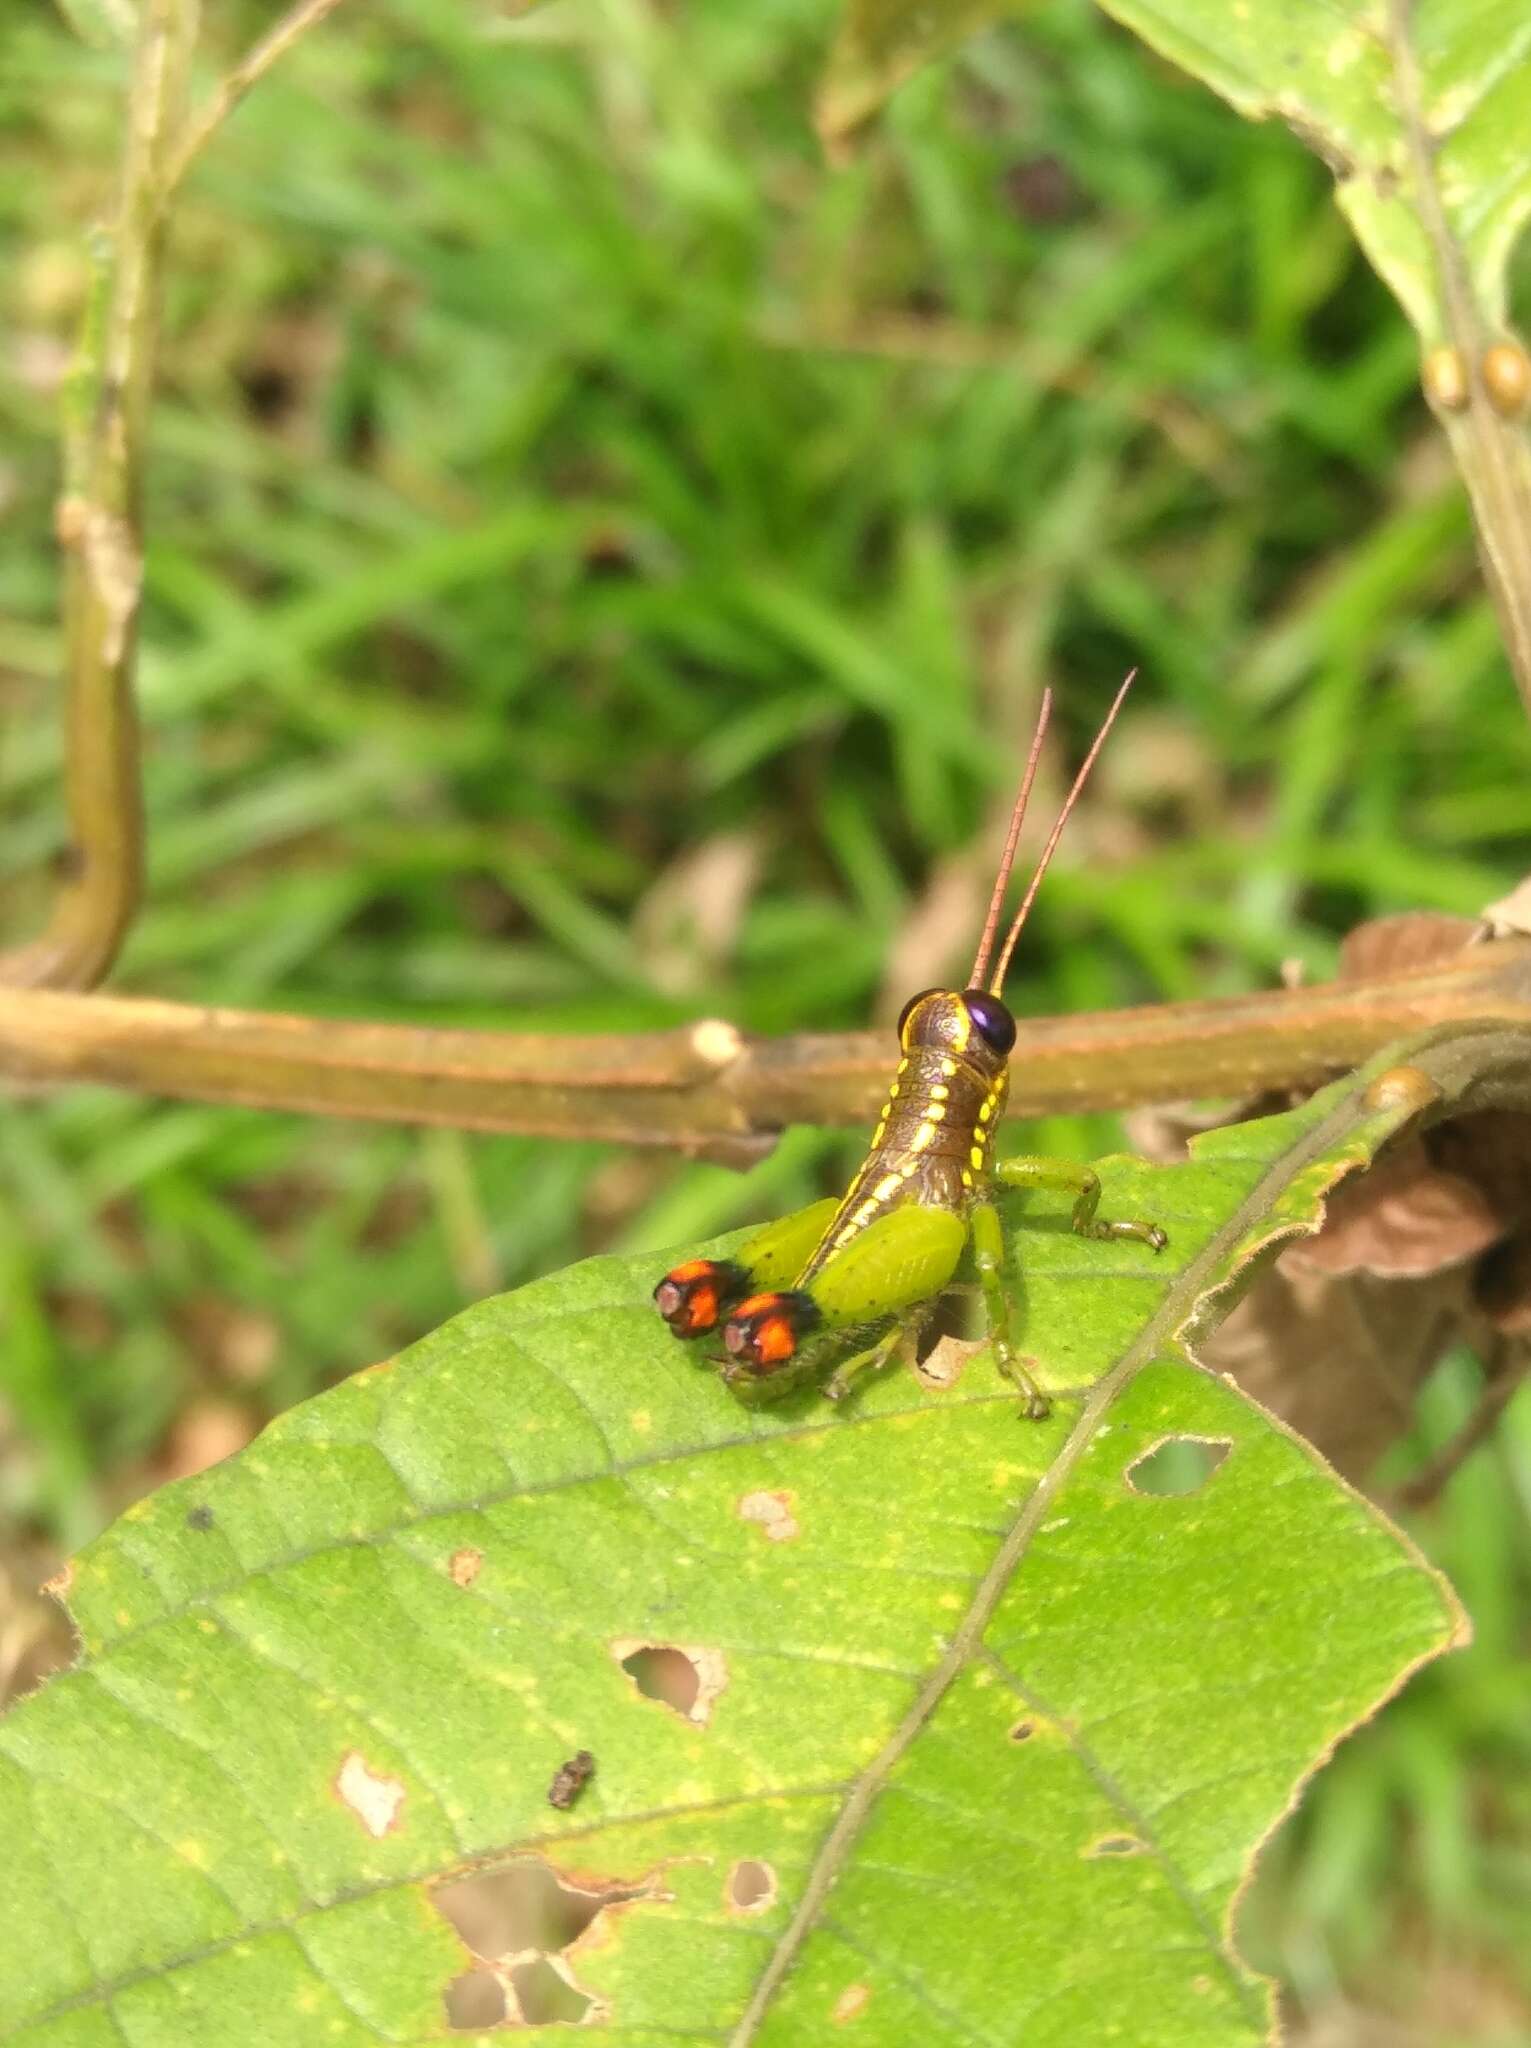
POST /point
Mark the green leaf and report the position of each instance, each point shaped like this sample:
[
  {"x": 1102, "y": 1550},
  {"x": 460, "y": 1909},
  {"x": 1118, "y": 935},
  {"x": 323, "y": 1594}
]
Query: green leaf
[
  {"x": 978, "y": 1725},
  {"x": 1419, "y": 109},
  {"x": 1414, "y": 106}
]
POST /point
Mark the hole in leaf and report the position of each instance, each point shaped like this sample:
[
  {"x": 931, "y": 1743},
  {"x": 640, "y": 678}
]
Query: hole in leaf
[
  {"x": 751, "y": 1886},
  {"x": 686, "y": 1678},
  {"x": 1177, "y": 1466},
  {"x": 474, "y": 2001},
  {"x": 666, "y": 1675},
  {"x": 1023, "y": 1731},
  {"x": 545, "y": 1996},
  {"x": 526, "y": 1906}
]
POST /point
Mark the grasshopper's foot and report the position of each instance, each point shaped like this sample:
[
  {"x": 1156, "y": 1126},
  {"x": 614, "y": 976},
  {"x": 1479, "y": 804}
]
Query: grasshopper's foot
[
  {"x": 1035, "y": 1406},
  {"x": 843, "y": 1378},
  {"x": 1144, "y": 1233}
]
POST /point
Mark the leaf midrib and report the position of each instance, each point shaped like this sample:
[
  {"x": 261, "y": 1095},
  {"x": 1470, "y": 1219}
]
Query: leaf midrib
[{"x": 1199, "y": 1276}]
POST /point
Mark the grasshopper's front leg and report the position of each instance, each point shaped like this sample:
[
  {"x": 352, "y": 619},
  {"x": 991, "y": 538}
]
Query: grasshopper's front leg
[{"x": 1084, "y": 1183}]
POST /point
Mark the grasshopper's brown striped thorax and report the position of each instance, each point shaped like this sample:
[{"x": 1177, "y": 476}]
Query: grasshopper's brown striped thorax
[{"x": 935, "y": 1135}]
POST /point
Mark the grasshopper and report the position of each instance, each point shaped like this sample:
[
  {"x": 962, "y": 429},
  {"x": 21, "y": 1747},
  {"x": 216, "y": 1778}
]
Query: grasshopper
[{"x": 862, "y": 1272}]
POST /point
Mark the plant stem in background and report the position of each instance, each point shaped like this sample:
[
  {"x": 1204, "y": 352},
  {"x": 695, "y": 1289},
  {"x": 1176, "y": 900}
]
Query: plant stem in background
[
  {"x": 100, "y": 528},
  {"x": 1489, "y": 445},
  {"x": 707, "y": 1089}
]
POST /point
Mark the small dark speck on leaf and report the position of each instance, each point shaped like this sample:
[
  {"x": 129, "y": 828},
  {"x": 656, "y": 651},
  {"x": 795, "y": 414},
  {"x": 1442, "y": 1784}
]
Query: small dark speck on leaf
[
  {"x": 570, "y": 1779},
  {"x": 1116, "y": 1845},
  {"x": 200, "y": 1517},
  {"x": 1023, "y": 1731}
]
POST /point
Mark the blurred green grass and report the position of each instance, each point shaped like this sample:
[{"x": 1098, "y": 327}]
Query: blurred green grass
[{"x": 601, "y": 568}]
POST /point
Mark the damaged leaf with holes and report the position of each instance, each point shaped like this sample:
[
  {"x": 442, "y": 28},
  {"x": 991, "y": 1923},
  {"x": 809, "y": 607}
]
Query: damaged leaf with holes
[{"x": 914, "y": 1719}]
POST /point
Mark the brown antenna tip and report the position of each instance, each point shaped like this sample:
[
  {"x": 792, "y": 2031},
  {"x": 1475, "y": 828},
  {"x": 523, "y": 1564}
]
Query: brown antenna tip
[
  {"x": 997, "y": 985},
  {"x": 1012, "y": 837}
]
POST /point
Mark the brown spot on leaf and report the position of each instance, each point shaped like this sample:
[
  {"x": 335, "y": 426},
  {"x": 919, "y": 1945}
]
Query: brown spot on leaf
[
  {"x": 681, "y": 1676},
  {"x": 466, "y": 1565},
  {"x": 851, "y": 2004},
  {"x": 772, "y": 1514},
  {"x": 1176, "y": 1466},
  {"x": 375, "y": 1799},
  {"x": 751, "y": 1887},
  {"x": 1115, "y": 1845},
  {"x": 1023, "y": 1731}
]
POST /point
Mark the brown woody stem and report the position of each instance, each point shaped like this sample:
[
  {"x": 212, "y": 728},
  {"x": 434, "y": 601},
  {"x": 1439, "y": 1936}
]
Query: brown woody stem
[{"x": 707, "y": 1089}]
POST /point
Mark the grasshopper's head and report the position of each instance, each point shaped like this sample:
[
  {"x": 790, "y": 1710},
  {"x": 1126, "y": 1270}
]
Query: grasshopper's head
[{"x": 970, "y": 1025}]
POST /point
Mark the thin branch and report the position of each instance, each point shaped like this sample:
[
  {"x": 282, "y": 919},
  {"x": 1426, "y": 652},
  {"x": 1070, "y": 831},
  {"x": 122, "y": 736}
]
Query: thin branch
[
  {"x": 707, "y": 1089},
  {"x": 1491, "y": 449},
  {"x": 1506, "y": 1376},
  {"x": 100, "y": 529},
  {"x": 231, "y": 89}
]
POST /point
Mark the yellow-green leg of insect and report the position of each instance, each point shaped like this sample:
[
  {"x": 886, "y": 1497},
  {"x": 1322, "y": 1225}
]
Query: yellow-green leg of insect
[
  {"x": 874, "y": 1357},
  {"x": 1084, "y": 1183},
  {"x": 989, "y": 1258},
  {"x": 775, "y": 1256}
]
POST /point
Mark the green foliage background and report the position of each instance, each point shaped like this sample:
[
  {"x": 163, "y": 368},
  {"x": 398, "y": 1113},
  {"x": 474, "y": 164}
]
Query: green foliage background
[{"x": 559, "y": 472}]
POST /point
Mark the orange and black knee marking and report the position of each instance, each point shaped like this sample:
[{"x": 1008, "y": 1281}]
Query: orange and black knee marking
[
  {"x": 694, "y": 1296},
  {"x": 763, "y": 1333}
]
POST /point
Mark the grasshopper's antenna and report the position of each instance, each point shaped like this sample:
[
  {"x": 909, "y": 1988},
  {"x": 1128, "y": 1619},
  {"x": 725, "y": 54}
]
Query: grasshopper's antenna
[
  {"x": 996, "y": 986},
  {"x": 1007, "y": 858}
]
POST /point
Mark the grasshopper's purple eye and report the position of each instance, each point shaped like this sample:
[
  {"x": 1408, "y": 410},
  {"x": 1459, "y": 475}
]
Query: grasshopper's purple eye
[
  {"x": 911, "y": 1005},
  {"x": 994, "y": 1023}
]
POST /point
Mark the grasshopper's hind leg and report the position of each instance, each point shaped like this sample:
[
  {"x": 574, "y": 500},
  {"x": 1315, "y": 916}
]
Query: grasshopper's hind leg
[
  {"x": 1084, "y": 1184},
  {"x": 989, "y": 1258}
]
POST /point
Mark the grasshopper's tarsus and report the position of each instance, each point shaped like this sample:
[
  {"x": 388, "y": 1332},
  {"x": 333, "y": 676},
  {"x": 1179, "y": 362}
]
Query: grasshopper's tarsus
[
  {"x": 1083, "y": 1182},
  {"x": 839, "y": 1383}
]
